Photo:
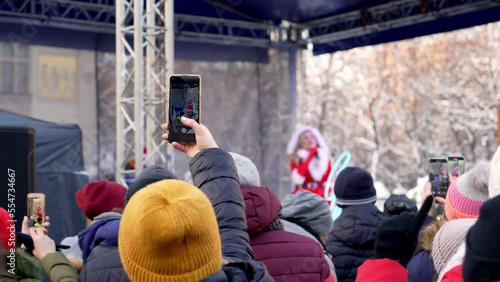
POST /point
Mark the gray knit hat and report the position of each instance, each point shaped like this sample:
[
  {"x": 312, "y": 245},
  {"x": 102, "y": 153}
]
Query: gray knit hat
[
  {"x": 468, "y": 193},
  {"x": 148, "y": 176},
  {"x": 309, "y": 211},
  {"x": 247, "y": 171},
  {"x": 448, "y": 240}
]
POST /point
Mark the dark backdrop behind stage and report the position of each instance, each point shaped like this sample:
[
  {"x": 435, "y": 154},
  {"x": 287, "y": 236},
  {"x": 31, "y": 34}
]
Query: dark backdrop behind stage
[
  {"x": 59, "y": 171},
  {"x": 17, "y": 170}
]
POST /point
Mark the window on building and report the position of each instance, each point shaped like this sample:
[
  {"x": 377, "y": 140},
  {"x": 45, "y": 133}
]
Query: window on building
[{"x": 14, "y": 69}]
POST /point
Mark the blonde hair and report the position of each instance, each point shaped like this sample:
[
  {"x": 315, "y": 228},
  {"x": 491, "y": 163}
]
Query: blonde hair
[
  {"x": 293, "y": 157},
  {"x": 427, "y": 234}
]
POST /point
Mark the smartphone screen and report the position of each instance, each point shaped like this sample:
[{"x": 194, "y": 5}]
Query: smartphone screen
[
  {"x": 456, "y": 165},
  {"x": 438, "y": 176},
  {"x": 36, "y": 209},
  {"x": 184, "y": 100}
]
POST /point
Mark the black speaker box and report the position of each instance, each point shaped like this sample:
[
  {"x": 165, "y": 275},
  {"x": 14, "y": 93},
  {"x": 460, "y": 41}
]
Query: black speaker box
[{"x": 17, "y": 170}]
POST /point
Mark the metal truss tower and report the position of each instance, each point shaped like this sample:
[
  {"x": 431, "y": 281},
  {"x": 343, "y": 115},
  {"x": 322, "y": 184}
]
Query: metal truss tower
[{"x": 144, "y": 61}]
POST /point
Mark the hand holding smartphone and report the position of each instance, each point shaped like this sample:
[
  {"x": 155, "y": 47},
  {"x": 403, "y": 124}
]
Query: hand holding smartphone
[
  {"x": 184, "y": 101},
  {"x": 204, "y": 139},
  {"x": 36, "y": 209},
  {"x": 438, "y": 176}
]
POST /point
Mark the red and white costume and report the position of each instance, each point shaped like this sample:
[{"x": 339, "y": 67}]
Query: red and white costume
[
  {"x": 190, "y": 105},
  {"x": 314, "y": 167}
]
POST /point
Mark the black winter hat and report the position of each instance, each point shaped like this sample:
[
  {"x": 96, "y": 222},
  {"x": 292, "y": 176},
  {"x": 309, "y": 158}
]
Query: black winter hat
[
  {"x": 150, "y": 175},
  {"x": 397, "y": 236},
  {"x": 354, "y": 186},
  {"x": 398, "y": 204},
  {"x": 482, "y": 256}
]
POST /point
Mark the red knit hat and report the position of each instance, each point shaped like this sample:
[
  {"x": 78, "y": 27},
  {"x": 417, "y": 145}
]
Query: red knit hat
[
  {"x": 5, "y": 232},
  {"x": 99, "y": 197}
]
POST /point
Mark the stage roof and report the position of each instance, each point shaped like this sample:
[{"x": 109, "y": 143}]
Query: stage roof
[{"x": 330, "y": 25}]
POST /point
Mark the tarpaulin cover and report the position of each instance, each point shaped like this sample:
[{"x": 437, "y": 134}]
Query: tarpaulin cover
[{"x": 59, "y": 171}]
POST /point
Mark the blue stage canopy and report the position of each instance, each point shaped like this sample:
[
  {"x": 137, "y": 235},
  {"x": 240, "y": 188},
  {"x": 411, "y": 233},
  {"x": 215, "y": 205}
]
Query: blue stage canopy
[{"x": 250, "y": 26}]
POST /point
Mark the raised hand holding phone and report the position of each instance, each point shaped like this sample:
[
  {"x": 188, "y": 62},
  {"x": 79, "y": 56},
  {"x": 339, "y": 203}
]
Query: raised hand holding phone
[
  {"x": 425, "y": 193},
  {"x": 397, "y": 237},
  {"x": 438, "y": 176},
  {"x": 42, "y": 243},
  {"x": 204, "y": 139}
]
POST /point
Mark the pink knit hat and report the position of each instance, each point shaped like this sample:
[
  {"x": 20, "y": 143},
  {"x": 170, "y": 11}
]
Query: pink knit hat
[{"x": 467, "y": 194}]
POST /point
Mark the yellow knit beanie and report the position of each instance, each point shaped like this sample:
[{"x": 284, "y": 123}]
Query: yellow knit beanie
[{"x": 169, "y": 232}]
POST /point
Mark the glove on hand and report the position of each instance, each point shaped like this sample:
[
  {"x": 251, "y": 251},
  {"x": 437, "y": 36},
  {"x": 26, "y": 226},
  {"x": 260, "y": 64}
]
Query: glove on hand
[{"x": 397, "y": 237}]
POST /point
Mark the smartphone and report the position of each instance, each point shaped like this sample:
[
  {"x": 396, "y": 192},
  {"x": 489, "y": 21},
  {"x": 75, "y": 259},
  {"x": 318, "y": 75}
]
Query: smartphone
[
  {"x": 438, "y": 176},
  {"x": 36, "y": 209},
  {"x": 456, "y": 165},
  {"x": 184, "y": 100}
]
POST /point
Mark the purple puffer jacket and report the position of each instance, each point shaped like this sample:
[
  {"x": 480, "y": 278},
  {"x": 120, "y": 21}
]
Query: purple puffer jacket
[{"x": 287, "y": 256}]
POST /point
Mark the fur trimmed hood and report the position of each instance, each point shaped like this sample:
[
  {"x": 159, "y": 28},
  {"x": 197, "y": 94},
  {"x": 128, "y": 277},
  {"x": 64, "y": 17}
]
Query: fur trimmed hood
[
  {"x": 27, "y": 266},
  {"x": 294, "y": 141},
  {"x": 428, "y": 233}
]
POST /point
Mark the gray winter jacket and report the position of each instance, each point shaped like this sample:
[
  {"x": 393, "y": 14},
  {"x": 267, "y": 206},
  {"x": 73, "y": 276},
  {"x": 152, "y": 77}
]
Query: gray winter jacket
[{"x": 307, "y": 214}]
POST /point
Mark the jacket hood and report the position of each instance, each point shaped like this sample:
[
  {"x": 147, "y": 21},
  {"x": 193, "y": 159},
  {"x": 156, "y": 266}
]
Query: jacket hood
[
  {"x": 294, "y": 141},
  {"x": 262, "y": 208},
  {"x": 309, "y": 211},
  {"x": 108, "y": 215},
  {"x": 427, "y": 234},
  {"x": 103, "y": 232},
  {"x": 27, "y": 266}
]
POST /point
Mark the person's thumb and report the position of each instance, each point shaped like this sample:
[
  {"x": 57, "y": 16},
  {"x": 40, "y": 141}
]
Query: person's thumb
[
  {"x": 191, "y": 123},
  {"x": 25, "y": 225},
  {"x": 424, "y": 210}
]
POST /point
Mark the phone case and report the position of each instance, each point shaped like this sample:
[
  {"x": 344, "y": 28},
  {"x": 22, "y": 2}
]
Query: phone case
[
  {"x": 438, "y": 176},
  {"x": 36, "y": 209},
  {"x": 181, "y": 137}
]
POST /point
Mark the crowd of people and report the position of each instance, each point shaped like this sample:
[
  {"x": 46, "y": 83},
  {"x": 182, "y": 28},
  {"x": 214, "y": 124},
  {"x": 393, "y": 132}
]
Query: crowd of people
[{"x": 226, "y": 226}]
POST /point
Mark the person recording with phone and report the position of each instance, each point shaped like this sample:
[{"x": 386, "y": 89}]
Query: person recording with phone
[
  {"x": 309, "y": 160},
  {"x": 37, "y": 251},
  {"x": 208, "y": 240}
]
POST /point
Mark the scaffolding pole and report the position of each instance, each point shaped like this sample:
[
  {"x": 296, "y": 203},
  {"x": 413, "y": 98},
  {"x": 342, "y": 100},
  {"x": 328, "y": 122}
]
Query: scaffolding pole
[{"x": 144, "y": 61}]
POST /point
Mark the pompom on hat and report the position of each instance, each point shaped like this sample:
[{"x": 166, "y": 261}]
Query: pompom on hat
[{"x": 169, "y": 232}]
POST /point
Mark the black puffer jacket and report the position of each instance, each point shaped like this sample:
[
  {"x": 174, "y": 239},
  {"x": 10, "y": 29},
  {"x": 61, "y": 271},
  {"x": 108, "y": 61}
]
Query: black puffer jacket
[
  {"x": 103, "y": 264},
  {"x": 352, "y": 239},
  {"x": 214, "y": 172}
]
